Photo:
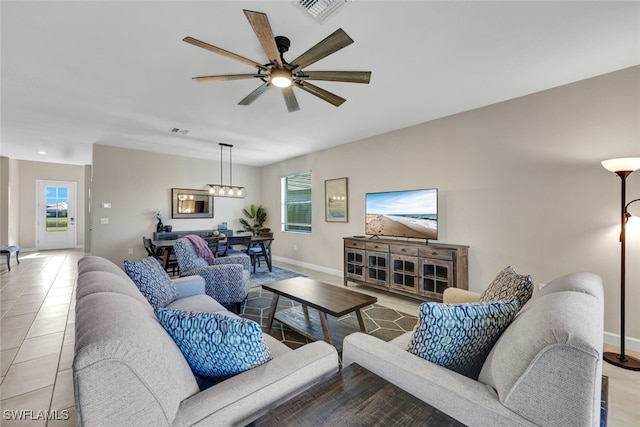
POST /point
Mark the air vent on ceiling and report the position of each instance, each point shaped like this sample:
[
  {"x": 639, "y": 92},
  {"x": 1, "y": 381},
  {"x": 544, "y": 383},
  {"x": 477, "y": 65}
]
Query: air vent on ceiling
[
  {"x": 319, "y": 10},
  {"x": 181, "y": 131}
]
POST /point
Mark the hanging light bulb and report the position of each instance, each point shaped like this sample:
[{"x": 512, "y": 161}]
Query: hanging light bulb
[{"x": 221, "y": 190}]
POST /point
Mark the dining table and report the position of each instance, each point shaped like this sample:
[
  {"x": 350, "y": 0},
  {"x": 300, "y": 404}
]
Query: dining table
[{"x": 261, "y": 241}]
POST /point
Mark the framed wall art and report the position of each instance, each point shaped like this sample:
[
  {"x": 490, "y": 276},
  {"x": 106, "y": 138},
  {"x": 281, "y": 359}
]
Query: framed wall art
[{"x": 336, "y": 200}]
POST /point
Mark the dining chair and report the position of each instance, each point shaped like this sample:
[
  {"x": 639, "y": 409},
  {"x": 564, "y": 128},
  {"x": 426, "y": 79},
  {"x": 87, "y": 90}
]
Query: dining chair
[
  {"x": 238, "y": 249},
  {"x": 160, "y": 254},
  {"x": 260, "y": 250}
]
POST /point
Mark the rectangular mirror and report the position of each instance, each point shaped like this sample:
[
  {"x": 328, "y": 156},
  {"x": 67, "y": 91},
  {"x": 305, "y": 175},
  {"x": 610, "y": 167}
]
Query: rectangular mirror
[{"x": 191, "y": 203}]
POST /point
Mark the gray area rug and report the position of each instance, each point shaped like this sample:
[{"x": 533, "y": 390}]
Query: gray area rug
[
  {"x": 382, "y": 322},
  {"x": 264, "y": 276}
]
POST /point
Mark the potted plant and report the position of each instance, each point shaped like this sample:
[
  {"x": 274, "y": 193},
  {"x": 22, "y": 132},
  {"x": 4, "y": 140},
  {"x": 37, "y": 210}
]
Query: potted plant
[{"x": 254, "y": 220}]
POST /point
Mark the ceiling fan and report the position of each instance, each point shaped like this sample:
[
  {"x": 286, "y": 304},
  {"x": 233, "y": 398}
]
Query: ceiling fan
[{"x": 285, "y": 75}]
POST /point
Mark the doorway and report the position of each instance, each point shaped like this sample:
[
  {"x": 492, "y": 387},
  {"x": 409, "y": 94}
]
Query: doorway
[{"x": 56, "y": 215}]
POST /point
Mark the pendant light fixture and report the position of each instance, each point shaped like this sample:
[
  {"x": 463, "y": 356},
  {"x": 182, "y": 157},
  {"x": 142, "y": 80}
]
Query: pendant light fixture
[{"x": 221, "y": 190}]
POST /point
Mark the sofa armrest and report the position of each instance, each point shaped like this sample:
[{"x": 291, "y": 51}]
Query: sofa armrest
[
  {"x": 459, "y": 296},
  {"x": 468, "y": 401},
  {"x": 247, "y": 396},
  {"x": 236, "y": 258},
  {"x": 189, "y": 285}
]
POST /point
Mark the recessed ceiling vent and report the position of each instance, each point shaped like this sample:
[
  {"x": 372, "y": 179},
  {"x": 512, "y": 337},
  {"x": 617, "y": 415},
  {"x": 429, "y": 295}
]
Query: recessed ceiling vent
[
  {"x": 320, "y": 10},
  {"x": 180, "y": 131}
]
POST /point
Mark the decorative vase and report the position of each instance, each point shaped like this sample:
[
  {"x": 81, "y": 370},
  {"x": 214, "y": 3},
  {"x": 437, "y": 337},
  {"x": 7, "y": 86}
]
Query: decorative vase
[{"x": 159, "y": 226}]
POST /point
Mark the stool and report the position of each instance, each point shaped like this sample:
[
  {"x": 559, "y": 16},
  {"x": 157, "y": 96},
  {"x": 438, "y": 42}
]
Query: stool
[{"x": 7, "y": 251}]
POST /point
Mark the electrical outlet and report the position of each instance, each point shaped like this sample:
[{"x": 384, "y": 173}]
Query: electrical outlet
[
  {"x": 295, "y": 246},
  {"x": 130, "y": 251}
]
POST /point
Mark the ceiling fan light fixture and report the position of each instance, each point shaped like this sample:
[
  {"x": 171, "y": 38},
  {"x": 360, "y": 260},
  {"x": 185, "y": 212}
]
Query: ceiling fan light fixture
[{"x": 280, "y": 77}]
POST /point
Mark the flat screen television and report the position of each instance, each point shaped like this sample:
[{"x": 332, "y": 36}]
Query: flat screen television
[{"x": 408, "y": 213}]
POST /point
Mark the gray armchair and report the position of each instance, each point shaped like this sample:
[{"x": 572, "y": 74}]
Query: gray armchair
[{"x": 225, "y": 282}]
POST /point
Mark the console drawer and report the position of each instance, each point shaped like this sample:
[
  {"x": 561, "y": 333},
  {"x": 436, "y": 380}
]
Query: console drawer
[
  {"x": 380, "y": 247},
  {"x": 404, "y": 250},
  {"x": 438, "y": 253},
  {"x": 354, "y": 244}
]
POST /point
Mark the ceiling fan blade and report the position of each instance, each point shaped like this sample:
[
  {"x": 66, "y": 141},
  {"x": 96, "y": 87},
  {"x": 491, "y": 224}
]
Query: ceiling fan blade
[
  {"x": 227, "y": 77},
  {"x": 255, "y": 94},
  {"x": 321, "y": 93},
  {"x": 290, "y": 99},
  {"x": 338, "y": 76},
  {"x": 260, "y": 24},
  {"x": 223, "y": 52},
  {"x": 334, "y": 42}
]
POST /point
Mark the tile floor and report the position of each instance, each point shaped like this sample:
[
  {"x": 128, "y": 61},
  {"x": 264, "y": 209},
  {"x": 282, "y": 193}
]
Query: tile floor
[{"x": 37, "y": 301}]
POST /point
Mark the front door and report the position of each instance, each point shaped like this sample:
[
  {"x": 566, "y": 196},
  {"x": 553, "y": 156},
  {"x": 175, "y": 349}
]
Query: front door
[{"x": 56, "y": 216}]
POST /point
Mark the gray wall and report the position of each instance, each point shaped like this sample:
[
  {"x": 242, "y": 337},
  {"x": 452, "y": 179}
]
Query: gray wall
[
  {"x": 520, "y": 182},
  {"x": 138, "y": 182}
]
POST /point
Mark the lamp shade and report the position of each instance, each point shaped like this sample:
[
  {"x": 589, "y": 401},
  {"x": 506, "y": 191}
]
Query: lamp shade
[{"x": 624, "y": 164}]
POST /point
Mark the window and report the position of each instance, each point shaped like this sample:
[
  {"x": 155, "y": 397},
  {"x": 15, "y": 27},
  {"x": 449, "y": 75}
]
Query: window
[
  {"x": 56, "y": 209},
  {"x": 296, "y": 203}
]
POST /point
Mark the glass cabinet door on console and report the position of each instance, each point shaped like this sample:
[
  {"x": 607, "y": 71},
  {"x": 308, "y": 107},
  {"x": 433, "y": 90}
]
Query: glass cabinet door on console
[
  {"x": 377, "y": 268},
  {"x": 354, "y": 267},
  {"x": 435, "y": 277},
  {"x": 404, "y": 273},
  {"x": 354, "y": 257},
  {"x": 377, "y": 263}
]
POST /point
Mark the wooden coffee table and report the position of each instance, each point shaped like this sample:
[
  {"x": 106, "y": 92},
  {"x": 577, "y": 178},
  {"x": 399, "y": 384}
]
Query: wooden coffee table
[
  {"x": 323, "y": 297},
  {"x": 355, "y": 397}
]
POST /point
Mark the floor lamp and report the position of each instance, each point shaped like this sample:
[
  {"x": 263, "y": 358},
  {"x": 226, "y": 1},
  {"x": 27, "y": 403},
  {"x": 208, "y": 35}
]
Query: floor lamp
[{"x": 623, "y": 168}]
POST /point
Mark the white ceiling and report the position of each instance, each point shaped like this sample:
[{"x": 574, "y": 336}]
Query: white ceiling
[{"x": 118, "y": 73}]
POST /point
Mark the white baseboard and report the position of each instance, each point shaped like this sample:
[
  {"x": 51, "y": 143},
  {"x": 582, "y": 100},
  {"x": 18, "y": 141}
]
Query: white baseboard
[
  {"x": 36, "y": 249},
  {"x": 309, "y": 266},
  {"x": 629, "y": 342}
]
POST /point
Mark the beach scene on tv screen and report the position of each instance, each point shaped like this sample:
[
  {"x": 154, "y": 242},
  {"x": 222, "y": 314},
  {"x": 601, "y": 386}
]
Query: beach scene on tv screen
[{"x": 412, "y": 213}]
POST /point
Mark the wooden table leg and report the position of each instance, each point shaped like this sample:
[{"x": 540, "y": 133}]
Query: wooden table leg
[
  {"x": 272, "y": 311},
  {"x": 325, "y": 327},
  {"x": 363, "y": 327}
]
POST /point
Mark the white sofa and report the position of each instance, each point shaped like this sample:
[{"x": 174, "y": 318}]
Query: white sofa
[
  {"x": 128, "y": 371},
  {"x": 545, "y": 369}
]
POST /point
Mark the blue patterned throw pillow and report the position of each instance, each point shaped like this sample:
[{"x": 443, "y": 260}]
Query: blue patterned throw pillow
[
  {"x": 460, "y": 336},
  {"x": 508, "y": 285},
  {"x": 154, "y": 283},
  {"x": 215, "y": 346}
]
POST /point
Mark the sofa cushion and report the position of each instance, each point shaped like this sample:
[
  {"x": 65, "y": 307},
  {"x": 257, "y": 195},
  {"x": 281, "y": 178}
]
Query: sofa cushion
[
  {"x": 103, "y": 281},
  {"x": 215, "y": 346},
  {"x": 96, "y": 263},
  {"x": 508, "y": 285},
  {"x": 460, "y": 336},
  {"x": 154, "y": 283}
]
